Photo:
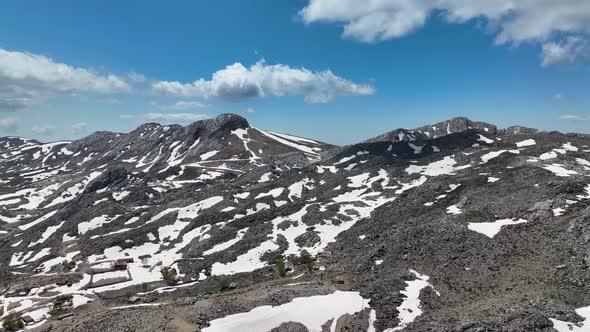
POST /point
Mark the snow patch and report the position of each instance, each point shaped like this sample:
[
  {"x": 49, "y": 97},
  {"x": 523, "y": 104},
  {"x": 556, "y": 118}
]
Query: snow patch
[
  {"x": 491, "y": 229},
  {"x": 453, "y": 209},
  {"x": 583, "y": 326},
  {"x": 209, "y": 154},
  {"x": 559, "y": 170},
  {"x": 446, "y": 166},
  {"x": 484, "y": 139},
  {"x": 310, "y": 311},
  {"x": 410, "y": 308},
  {"x": 528, "y": 142}
]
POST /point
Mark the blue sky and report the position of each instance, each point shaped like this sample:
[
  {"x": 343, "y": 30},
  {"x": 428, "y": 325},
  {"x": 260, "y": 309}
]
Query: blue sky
[{"x": 325, "y": 69}]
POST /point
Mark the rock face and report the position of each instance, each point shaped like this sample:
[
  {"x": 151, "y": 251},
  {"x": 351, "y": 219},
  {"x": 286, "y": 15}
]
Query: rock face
[
  {"x": 290, "y": 327},
  {"x": 457, "y": 226},
  {"x": 110, "y": 177},
  {"x": 231, "y": 122}
]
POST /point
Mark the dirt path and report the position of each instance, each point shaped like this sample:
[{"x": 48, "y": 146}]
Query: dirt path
[{"x": 179, "y": 324}]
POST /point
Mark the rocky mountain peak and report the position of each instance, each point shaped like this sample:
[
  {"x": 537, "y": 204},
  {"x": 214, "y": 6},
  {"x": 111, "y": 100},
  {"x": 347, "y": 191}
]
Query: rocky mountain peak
[
  {"x": 515, "y": 130},
  {"x": 223, "y": 122},
  {"x": 454, "y": 125},
  {"x": 231, "y": 121}
]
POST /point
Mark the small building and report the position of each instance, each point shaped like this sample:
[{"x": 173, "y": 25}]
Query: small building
[
  {"x": 118, "y": 265},
  {"x": 121, "y": 263}
]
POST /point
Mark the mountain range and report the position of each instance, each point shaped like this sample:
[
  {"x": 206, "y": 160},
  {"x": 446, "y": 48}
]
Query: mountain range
[{"x": 456, "y": 226}]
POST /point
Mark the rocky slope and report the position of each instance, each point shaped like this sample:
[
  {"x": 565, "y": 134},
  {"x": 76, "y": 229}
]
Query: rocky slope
[{"x": 458, "y": 226}]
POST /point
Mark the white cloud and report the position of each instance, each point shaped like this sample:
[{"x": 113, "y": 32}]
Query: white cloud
[
  {"x": 26, "y": 78},
  {"x": 80, "y": 127},
  {"x": 179, "y": 117},
  {"x": 573, "y": 117},
  {"x": 179, "y": 105},
  {"x": 557, "y": 97},
  {"x": 8, "y": 125},
  {"x": 136, "y": 77},
  {"x": 567, "y": 51},
  {"x": 237, "y": 83},
  {"x": 250, "y": 110},
  {"x": 515, "y": 21},
  {"x": 126, "y": 116},
  {"x": 43, "y": 130}
]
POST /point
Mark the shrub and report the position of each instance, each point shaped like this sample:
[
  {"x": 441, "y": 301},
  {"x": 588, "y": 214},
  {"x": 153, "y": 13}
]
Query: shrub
[
  {"x": 61, "y": 304},
  {"x": 68, "y": 266},
  {"x": 168, "y": 276},
  {"x": 281, "y": 267},
  {"x": 306, "y": 259},
  {"x": 222, "y": 283},
  {"x": 12, "y": 323}
]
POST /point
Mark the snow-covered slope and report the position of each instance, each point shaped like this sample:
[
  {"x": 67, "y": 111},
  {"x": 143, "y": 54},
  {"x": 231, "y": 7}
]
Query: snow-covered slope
[{"x": 439, "y": 232}]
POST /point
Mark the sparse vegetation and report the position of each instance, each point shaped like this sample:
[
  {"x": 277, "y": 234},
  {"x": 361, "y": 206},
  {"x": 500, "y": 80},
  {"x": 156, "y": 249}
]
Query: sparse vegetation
[
  {"x": 281, "y": 268},
  {"x": 168, "y": 275},
  {"x": 12, "y": 323},
  {"x": 68, "y": 265},
  {"x": 62, "y": 304},
  {"x": 222, "y": 283},
  {"x": 306, "y": 259}
]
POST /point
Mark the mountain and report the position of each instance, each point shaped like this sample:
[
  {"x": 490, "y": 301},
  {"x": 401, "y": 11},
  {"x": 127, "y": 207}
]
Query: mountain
[
  {"x": 457, "y": 226},
  {"x": 454, "y": 125},
  {"x": 226, "y": 143}
]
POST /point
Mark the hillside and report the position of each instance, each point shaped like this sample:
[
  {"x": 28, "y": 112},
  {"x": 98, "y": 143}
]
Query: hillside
[{"x": 456, "y": 226}]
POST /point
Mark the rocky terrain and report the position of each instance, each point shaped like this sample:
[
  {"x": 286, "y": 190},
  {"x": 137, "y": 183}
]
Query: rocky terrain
[{"x": 456, "y": 226}]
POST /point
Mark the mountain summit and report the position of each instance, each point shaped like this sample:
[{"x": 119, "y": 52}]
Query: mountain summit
[{"x": 454, "y": 125}]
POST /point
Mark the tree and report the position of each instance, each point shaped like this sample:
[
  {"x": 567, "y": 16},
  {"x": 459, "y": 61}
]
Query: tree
[
  {"x": 306, "y": 259},
  {"x": 168, "y": 275},
  {"x": 281, "y": 267},
  {"x": 13, "y": 323}
]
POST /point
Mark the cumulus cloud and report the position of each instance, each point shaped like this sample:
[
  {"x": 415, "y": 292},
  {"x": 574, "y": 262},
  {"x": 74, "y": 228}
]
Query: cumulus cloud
[
  {"x": 250, "y": 110},
  {"x": 237, "y": 83},
  {"x": 26, "y": 78},
  {"x": 567, "y": 51},
  {"x": 44, "y": 130},
  {"x": 8, "y": 125},
  {"x": 557, "y": 97},
  {"x": 515, "y": 21},
  {"x": 80, "y": 127},
  {"x": 573, "y": 117},
  {"x": 176, "y": 117},
  {"x": 179, "y": 105}
]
